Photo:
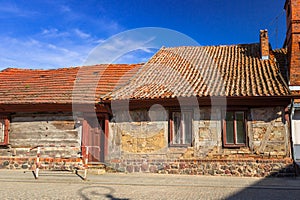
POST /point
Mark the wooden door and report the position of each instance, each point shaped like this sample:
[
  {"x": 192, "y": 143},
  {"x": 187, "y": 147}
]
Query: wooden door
[{"x": 93, "y": 138}]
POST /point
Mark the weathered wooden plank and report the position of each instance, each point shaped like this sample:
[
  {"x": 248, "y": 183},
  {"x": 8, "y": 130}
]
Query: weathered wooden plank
[
  {"x": 32, "y": 129},
  {"x": 41, "y": 117}
]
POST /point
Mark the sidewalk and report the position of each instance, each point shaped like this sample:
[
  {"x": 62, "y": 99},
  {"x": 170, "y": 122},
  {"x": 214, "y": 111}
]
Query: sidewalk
[{"x": 62, "y": 185}]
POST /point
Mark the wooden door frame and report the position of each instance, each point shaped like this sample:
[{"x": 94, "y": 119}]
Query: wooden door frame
[{"x": 104, "y": 117}]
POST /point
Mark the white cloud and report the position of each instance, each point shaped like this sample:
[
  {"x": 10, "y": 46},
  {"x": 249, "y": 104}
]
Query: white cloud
[
  {"x": 9, "y": 8},
  {"x": 119, "y": 49},
  {"x": 33, "y": 53},
  {"x": 81, "y": 34},
  {"x": 138, "y": 56},
  {"x": 53, "y": 32},
  {"x": 48, "y": 50}
]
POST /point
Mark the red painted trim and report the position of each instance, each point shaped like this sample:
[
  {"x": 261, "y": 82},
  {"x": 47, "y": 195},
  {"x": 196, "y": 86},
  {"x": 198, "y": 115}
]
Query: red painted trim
[
  {"x": 106, "y": 132},
  {"x": 171, "y": 124},
  {"x": 84, "y": 138},
  {"x": 6, "y": 130},
  {"x": 225, "y": 144},
  {"x": 171, "y": 128}
]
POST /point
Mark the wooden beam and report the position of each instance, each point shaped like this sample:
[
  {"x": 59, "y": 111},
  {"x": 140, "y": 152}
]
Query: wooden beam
[{"x": 203, "y": 101}]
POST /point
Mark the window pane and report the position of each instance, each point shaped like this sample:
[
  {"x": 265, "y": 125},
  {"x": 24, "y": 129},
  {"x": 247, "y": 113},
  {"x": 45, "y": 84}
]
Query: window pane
[
  {"x": 176, "y": 127},
  {"x": 2, "y": 123},
  {"x": 240, "y": 132},
  {"x": 229, "y": 128},
  {"x": 187, "y": 122}
]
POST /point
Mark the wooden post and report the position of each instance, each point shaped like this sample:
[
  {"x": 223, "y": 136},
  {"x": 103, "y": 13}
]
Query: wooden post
[
  {"x": 86, "y": 160},
  {"x": 36, "y": 173}
]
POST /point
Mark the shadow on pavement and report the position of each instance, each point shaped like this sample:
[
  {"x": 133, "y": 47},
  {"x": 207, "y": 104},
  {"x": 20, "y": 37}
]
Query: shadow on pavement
[
  {"x": 98, "y": 192},
  {"x": 274, "y": 186}
]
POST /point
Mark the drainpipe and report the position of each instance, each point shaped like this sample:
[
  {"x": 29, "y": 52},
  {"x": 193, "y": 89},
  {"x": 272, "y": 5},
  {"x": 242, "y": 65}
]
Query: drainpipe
[
  {"x": 292, "y": 138},
  {"x": 291, "y": 128}
]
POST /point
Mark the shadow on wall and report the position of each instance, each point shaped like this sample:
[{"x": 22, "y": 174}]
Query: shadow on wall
[
  {"x": 159, "y": 112},
  {"x": 272, "y": 187}
]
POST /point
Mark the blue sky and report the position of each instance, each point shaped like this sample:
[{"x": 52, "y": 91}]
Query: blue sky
[{"x": 58, "y": 33}]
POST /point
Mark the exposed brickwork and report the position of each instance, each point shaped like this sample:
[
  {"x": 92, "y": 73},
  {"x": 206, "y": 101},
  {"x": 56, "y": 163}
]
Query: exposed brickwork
[
  {"x": 292, "y": 8},
  {"x": 264, "y": 44}
]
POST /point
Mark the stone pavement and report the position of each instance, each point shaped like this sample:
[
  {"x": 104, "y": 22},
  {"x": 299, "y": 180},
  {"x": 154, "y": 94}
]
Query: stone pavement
[{"x": 65, "y": 185}]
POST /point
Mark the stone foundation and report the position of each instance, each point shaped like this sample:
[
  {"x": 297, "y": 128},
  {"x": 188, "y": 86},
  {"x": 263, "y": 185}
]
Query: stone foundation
[
  {"x": 218, "y": 167},
  {"x": 45, "y": 163},
  {"x": 248, "y": 168}
]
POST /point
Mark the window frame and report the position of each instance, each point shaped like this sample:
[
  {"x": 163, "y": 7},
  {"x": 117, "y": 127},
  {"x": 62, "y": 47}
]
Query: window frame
[
  {"x": 171, "y": 127},
  {"x": 235, "y": 144},
  {"x": 6, "y": 130}
]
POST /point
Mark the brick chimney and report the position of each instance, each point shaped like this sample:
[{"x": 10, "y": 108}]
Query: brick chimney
[
  {"x": 292, "y": 41},
  {"x": 264, "y": 44}
]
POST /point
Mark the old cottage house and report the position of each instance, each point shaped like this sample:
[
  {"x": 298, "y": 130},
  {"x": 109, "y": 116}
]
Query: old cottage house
[
  {"x": 200, "y": 110},
  {"x": 188, "y": 110}
]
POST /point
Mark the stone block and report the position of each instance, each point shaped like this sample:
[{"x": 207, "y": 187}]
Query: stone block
[
  {"x": 137, "y": 168},
  {"x": 153, "y": 169},
  {"x": 144, "y": 167}
]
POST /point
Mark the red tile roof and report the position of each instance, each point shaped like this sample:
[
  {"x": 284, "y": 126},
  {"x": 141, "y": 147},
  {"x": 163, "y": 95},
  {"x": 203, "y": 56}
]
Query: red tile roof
[
  {"x": 231, "y": 70},
  {"x": 24, "y": 86}
]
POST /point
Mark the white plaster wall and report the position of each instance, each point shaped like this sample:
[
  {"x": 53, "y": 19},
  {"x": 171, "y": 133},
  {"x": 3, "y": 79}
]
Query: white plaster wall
[
  {"x": 296, "y": 127},
  {"x": 296, "y": 133}
]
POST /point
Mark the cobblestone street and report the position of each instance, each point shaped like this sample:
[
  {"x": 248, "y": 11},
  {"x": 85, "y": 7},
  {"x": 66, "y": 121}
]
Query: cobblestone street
[{"x": 62, "y": 185}]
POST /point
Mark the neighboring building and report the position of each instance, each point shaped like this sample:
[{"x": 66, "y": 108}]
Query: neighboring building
[
  {"x": 36, "y": 109},
  {"x": 292, "y": 43}
]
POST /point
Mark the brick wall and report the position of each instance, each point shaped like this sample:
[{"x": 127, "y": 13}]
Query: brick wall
[
  {"x": 292, "y": 8},
  {"x": 264, "y": 44}
]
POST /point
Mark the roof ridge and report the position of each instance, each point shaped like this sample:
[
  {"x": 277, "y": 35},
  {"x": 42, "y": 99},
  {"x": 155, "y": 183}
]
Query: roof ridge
[
  {"x": 9, "y": 69},
  {"x": 65, "y": 68},
  {"x": 219, "y": 45}
]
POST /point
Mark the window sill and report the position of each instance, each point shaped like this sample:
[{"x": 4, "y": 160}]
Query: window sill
[
  {"x": 234, "y": 146},
  {"x": 179, "y": 145}
]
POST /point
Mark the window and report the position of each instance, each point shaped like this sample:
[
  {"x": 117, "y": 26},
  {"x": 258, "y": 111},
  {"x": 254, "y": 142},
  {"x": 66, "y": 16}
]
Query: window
[
  {"x": 234, "y": 131},
  {"x": 4, "y": 123},
  {"x": 180, "y": 128}
]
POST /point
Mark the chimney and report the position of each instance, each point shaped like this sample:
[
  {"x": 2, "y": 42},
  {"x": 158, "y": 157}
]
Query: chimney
[{"x": 264, "y": 44}]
